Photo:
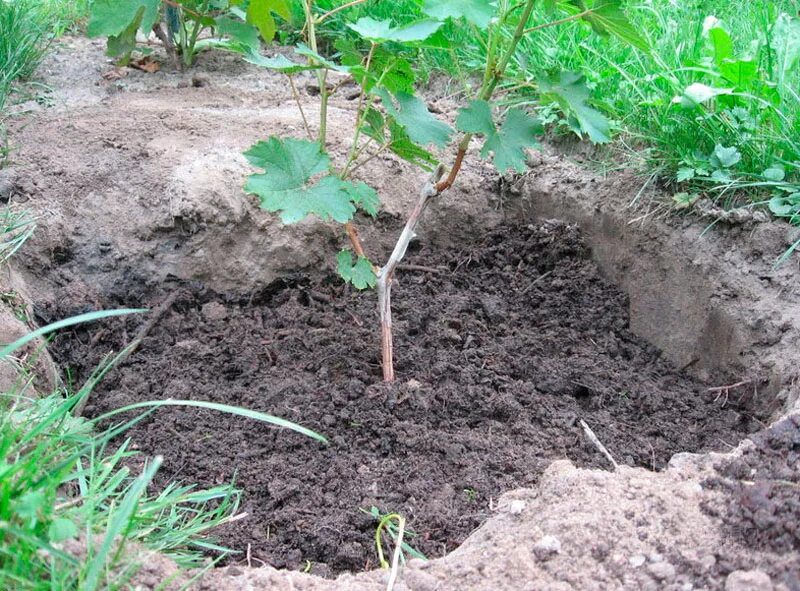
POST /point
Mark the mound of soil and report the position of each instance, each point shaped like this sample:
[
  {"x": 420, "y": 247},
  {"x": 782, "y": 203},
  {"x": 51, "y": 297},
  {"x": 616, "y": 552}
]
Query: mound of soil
[
  {"x": 764, "y": 487},
  {"x": 502, "y": 348}
]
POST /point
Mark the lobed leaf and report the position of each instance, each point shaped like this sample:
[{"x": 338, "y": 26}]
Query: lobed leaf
[
  {"x": 477, "y": 12},
  {"x": 508, "y": 144},
  {"x": 413, "y": 115},
  {"x": 569, "y": 90},
  {"x": 725, "y": 157},
  {"x": 287, "y": 187},
  {"x": 382, "y": 31},
  {"x": 361, "y": 274},
  {"x": 607, "y": 18},
  {"x": 363, "y": 196}
]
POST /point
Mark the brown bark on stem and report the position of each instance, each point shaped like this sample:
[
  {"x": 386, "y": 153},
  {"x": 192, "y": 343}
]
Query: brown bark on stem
[
  {"x": 386, "y": 273},
  {"x": 352, "y": 234}
]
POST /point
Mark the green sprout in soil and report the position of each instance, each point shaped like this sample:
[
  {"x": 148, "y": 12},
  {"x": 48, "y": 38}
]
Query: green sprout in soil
[{"x": 392, "y": 525}]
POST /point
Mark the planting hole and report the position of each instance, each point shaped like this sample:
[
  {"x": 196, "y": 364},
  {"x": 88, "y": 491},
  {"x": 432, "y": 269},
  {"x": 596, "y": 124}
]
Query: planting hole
[{"x": 504, "y": 344}]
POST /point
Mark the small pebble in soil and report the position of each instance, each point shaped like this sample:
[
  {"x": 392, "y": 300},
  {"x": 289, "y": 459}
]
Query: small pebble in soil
[
  {"x": 662, "y": 571},
  {"x": 637, "y": 560},
  {"x": 748, "y": 580},
  {"x": 547, "y": 547},
  {"x": 516, "y": 507}
]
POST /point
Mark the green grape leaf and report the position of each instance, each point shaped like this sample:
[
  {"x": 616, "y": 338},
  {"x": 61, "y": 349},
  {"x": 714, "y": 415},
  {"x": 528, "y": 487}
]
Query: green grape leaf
[
  {"x": 382, "y": 31},
  {"x": 569, "y": 90},
  {"x": 477, "y": 12},
  {"x": 608, "y": 18},
  {"x": 410, "y": 112},
  {"x": 259, "y": 13},
  {"x": 406, "y": 149},
  {"x": 286, "y": 186},
  {"x": 112, "y": 17},
  {"x": 363, "y": 196},
  {"x": 238, "y": 31},
  {"x": 374, "y": 125},
  {"x": 508, "y": 144},
  {"x": 123, "y": 44},
  {"x": 361, "y": 274},
  {"x": 395, "y": 73}
]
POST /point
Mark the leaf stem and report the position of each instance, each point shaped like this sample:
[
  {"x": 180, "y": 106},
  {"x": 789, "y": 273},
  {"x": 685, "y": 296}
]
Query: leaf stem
[
  {"x": 330, "y": 13},
  {"x": 188, "y": 57},
  {"x": 355, "y": 240},
  {"x": 300, "y": 106},
  {"x": 492, "y": 76},
  {"x": 322, "y": 76},
  {"x": 567, "y": 19},
  {"x": 355, "y": 152},
  {"x": 372, "y": 156}
]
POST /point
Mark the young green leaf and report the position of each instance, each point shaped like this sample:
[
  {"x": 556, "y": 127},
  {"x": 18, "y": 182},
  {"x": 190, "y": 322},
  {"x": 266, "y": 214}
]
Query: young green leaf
[
  {"x": 785, "y": 206},
  {"x": 420, "y": 125},
  {"x": 775, "y": 173},
  {"x": 361, "y": 274},
  {"x": 477, "y": 12},
  {"x": 508, "y": 144},
  {"x": 608, "y": 18},
  {"x": 259, "y": 13},
  {"x": 725, "y": 157},
  {"x": 62, "y": 529},
  {"x": 112, "y": 17},
  {"x": 570, "y": 92},
  {"x": 685, "y": 173},
  {"x": 382, "y": 31},
  {"x": 363, "y": 196},
  {"x": 406, "y": 149},
  {"x": 286, "y": 186},
  {"x": 238, "y": 31}
]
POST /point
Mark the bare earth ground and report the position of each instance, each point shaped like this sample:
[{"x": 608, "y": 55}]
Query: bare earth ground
[{"x": 136, "y": 183}]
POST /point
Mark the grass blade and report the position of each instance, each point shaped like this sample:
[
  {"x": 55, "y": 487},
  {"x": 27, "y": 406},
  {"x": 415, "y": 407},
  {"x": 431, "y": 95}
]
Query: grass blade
[
  {"x": 234, "y": 410},
  {"x": 88, "y": 317}
]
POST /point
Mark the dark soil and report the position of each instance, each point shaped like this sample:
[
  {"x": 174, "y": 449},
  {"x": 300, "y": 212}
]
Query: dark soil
[{"x": 502, "y": 347}]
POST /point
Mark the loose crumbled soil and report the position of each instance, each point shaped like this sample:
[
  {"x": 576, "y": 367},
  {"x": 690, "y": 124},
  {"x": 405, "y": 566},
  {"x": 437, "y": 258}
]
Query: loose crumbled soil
[{"x": 503, "y": 345}]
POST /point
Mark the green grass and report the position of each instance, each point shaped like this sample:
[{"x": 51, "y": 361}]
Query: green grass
[
  {"x": 26, "y": 29},
  {"x": 637, "y": 90},
  {"x": 22, "y": 44},
  {"x": 61, "y": 484}
]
